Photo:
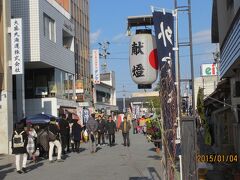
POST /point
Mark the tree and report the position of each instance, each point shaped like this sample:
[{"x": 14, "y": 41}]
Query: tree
[
  {"x": 154, "y": 104},
  {"x": 200, "y": 105}
]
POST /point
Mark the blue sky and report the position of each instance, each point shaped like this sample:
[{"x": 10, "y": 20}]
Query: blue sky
[{"x": 108, "y": 21}]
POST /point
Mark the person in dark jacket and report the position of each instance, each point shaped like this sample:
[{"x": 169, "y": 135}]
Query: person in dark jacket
[
  {"x": 54, "y": 140},
  {"x": 65, "y": 133},
  {"x": 134, "y": 124},
  {"x": 125, "y": 127},
  {"x": 101, "y": 130},
  {"x": 19, "y": 147},
  {"x": 76, "y": 134},
  {"x": 111, "y": 128},
  {"x": 92, "y": 127}
]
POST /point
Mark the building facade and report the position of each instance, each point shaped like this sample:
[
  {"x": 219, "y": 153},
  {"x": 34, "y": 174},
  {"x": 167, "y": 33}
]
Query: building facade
[
  {"x": 208, "y": 83},
  {"x": 104, "y": 94},
  {"x": 80, "y": 17},
  {"x": 226, "y": 32},
  {"x": 48, "y": 53}
]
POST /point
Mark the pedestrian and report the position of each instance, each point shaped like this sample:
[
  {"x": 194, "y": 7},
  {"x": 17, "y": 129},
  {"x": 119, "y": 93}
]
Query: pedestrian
[
  {"x": 76, "y": 134},
  {"x": 54, "y": 140},
  {"x": 19, "y": 147},
  {"x": 134, "y": 124},
  {"x": 111, "y": 129},
  {"x": 92, "y": 127},
  {"x": 65, "y": 133},
  {"x": 125, "y": 127},
  {"x": 31, "y": 146},
  {"x": 101, "y": 130}
]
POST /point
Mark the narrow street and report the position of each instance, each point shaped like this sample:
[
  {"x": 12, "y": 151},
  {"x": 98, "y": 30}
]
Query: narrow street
[{"x": 138, "y": 162}]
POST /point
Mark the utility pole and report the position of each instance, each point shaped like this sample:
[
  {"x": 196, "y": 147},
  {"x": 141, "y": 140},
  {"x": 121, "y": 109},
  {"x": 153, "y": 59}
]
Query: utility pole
[{"x": 104, "y": 48}]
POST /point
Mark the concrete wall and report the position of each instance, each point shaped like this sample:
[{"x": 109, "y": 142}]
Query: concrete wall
[
  {"x": 43, "y": 105},
  {"x": 47, "y": 105}
]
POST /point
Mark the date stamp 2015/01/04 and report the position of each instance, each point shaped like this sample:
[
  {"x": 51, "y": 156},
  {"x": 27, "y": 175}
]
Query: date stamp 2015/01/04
[{"x": 217, "y": 158}]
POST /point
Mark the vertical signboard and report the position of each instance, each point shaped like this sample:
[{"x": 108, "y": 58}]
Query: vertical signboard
[
  {"x": 164, "y": 29},
  {"x": 17, "y": 50},
  {"x": 96, "y": 68}
]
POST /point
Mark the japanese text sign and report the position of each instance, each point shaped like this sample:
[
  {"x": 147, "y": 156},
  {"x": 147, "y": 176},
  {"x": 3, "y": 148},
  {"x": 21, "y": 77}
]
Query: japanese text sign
[
  {"x": 164, "y": 29},
  {"x": 143, "y": 59},
  {"x": 96, "y": 68},
  {"x": 17, "y": 49}
]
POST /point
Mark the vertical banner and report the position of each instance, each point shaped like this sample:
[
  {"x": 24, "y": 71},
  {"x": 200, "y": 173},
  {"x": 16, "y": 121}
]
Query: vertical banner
[
  {"x": 85, "y": 115},
  {"x": 96, "y": 67},
  {"x": 16, "y": 43},
  {"x": 164, "y": 29}
]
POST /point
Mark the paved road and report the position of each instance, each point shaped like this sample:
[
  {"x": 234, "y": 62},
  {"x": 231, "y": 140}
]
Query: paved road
[{"x": 138, "y": 162}]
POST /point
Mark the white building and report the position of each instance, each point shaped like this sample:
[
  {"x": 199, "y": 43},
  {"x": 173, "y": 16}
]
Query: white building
[
  {"x": 48, "y": 40},
  {"x": 208, "y": 83},
  {"x": 104, "y": 94}
]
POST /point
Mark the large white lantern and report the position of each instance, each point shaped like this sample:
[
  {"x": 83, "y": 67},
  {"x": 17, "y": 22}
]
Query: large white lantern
[{"x": 143, "y": 59}]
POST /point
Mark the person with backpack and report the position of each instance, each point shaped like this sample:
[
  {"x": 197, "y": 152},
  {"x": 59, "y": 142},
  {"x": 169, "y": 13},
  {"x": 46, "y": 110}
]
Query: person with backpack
[
  {"x": 92, "y": 127},
  {"x": 111, "y": 129},
  {"x": 19, "y": 147},
  {"x": 54, "y": 140},
  {"x": 125, "y": 127}
]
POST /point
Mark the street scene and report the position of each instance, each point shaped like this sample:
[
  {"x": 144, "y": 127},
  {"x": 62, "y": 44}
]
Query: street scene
[{"x": 120, "y": 90}]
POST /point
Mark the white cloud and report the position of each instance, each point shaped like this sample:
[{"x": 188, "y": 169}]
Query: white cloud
[
  {"x": 202, "y": 36},
  {"x": 94, "y": 36},
  {"x": 118, "y": 37}
]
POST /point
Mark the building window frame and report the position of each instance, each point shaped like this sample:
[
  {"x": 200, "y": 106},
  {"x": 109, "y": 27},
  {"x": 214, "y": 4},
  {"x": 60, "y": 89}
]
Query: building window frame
[{"x": 49, "y": 27}]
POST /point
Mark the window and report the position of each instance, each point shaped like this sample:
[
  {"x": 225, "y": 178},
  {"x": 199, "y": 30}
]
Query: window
[
  {"x": 49, "y": 28},
  {"x": 237, "y": 89},
  {"x": 67, "y": 40}
]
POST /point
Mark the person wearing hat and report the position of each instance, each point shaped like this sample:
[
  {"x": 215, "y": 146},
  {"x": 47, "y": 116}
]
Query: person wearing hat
[{"x": 54, "y": 140}]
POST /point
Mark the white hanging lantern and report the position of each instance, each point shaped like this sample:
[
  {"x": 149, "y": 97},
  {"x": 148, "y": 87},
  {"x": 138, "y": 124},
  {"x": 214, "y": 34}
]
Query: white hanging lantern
[{"x": 143, "y": 58}]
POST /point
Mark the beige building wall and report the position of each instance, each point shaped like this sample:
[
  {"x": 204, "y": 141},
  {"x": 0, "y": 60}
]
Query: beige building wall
[{"x": 209, "y": 83}]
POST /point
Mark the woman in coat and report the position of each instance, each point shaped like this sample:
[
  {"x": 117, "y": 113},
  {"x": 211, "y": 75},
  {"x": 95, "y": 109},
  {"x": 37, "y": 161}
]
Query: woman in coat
[
  {"x": 19, "y": 147},
  {"x": 76, "y": 133}
]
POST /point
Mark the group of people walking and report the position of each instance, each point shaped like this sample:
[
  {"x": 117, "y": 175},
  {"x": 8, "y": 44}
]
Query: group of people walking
[{"x": 64, "y": 135}]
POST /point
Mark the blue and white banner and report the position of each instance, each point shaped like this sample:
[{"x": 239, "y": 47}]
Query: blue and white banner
[{"x": 164, "y": 32}]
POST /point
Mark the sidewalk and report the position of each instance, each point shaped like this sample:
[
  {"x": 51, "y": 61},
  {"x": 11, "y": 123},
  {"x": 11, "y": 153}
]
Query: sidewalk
[{"x": 138, "y": 162}]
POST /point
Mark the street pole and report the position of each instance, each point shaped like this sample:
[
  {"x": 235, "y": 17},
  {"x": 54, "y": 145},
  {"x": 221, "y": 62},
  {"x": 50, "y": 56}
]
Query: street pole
[
  {"x": 177, "y": 67},
  {"x": 191, "y": 57}
]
